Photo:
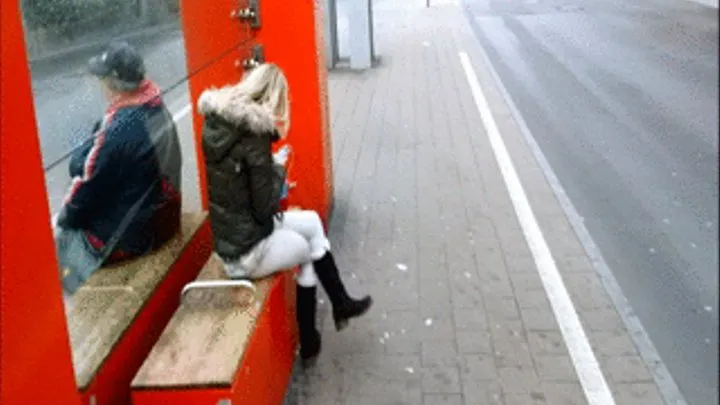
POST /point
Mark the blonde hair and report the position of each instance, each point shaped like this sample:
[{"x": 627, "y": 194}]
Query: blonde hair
[{"x": 267, "y": 86}]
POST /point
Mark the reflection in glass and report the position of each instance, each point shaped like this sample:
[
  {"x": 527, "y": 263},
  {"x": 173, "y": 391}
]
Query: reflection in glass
[
  {"x": 61, "y": 36},
  {"x": 140, "y": 178},
  {"x": 124, "y": 200}
]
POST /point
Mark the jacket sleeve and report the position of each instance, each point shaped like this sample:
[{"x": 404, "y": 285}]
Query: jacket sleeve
[
  {"x": 265, "y": 178},
  {"x": 77, "y": 160},
  {"x": 89, "y": 188}
]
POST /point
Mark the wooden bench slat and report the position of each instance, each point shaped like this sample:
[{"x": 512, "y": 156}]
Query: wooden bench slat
[
  {"x": 204, "y": 342},
  {"x": 105, "y": 307},
  {"x": 143, "y": 274},
  {"x": 111, "y": 309}
]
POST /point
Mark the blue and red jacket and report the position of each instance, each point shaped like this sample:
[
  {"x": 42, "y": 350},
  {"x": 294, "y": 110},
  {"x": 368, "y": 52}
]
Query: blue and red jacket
[{"x": 133, "y": 160}]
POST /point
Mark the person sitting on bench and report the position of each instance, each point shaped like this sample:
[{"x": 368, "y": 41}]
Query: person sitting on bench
[
  {"x": 124, "y": 200},
  {"x": 252, "y": 236}
]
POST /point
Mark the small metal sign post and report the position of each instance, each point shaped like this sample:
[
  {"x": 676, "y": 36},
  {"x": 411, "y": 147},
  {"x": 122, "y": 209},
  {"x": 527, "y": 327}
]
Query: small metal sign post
[
  {"x": 361, "y": 35},
  {"x": 331, "y": 32}
]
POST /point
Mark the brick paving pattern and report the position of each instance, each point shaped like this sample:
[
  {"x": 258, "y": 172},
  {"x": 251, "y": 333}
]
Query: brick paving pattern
[{"x": 423, "y": 222}]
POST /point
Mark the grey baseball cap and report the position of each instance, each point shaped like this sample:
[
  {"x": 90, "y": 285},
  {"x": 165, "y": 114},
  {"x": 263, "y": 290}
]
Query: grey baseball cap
[{"x": 120, "y": 62}]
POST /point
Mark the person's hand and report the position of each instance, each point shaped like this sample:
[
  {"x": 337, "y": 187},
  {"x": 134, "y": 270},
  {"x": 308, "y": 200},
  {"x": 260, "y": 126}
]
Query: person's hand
[
  {"x": 53, "y": 222},
  {"x": 282, "y": 155}
]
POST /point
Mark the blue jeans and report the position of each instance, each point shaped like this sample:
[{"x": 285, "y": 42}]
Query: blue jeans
[{"x": 77, "y": 260}]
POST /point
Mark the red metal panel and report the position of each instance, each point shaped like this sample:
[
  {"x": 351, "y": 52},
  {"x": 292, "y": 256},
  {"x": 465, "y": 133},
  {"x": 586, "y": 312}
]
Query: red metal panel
[
  {"x": 289, "y": 35},
  {"x": 266, "y": 367},
  {"x": 204, "y": 396},
  {"x": 213, "y": 43},
  {"x": 35, "y": 363}
]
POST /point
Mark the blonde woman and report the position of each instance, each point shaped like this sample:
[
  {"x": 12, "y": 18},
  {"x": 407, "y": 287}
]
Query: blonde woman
[{"x": 245, "y": 183}]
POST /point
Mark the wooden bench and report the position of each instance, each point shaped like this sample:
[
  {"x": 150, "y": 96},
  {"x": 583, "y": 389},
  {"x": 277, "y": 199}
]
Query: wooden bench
[
  {"x": 116, "y": 317},
  {"x": 226, "y": 344}
]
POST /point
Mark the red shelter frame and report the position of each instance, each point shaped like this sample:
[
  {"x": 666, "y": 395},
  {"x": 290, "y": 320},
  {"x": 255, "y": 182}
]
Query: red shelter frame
[
  {"x": 290, "y": 35},
  {"x": 35, "y": 355}
]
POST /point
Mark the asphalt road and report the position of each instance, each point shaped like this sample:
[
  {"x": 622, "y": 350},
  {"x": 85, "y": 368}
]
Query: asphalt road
[{"x": 622, "y": 97}]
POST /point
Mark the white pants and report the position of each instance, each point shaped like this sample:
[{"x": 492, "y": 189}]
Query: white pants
[{"x": 298, "y": 240}]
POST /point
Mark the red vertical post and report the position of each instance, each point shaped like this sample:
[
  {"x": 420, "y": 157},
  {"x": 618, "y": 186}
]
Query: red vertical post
[
  {"x": 36, "y": 360},
  {"x": 291, "y": 33},
  {"x": 214, "y": 42},
  {"x": 291, "y": 36}
]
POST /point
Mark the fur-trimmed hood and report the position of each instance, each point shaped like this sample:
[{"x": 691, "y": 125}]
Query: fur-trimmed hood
[
  {"x": 235, "y": 109},
  {"x": 237, "y": 118}
]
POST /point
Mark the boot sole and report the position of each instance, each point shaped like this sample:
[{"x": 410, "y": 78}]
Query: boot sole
[
  {"x": 344, "y": 323},
  {"x": 308, "y": 363}
]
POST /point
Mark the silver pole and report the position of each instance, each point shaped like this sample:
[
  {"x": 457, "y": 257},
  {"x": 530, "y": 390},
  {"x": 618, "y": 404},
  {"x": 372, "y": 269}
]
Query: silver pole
[{"x": 331, "y": 35}]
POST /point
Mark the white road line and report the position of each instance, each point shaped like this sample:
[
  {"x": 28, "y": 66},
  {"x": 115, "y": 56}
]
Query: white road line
[
  {"x": 182, "y": 113},
  {"x": 586, "y": 365},
  {"x": 708, "y": 3}
]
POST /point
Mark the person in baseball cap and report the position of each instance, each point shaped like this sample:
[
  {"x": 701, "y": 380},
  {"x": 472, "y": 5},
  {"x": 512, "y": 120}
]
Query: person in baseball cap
[{"x": 125, "y": 198}]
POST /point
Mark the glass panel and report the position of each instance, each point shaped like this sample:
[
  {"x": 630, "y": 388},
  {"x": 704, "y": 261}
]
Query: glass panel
[{"x": 62, "y": 35}]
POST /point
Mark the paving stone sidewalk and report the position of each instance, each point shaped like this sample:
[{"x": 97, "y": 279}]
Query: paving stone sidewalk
[{"x": 423, "y": 222}]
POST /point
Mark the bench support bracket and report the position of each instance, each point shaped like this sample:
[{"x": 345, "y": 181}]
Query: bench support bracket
[{"x": 209, "y": 284}]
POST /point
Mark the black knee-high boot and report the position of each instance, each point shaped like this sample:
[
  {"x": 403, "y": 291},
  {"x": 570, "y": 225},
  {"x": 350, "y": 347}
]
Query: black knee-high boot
[
  {"x": 309, "y": 335},
  {"x": 344, "y": 306}
]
